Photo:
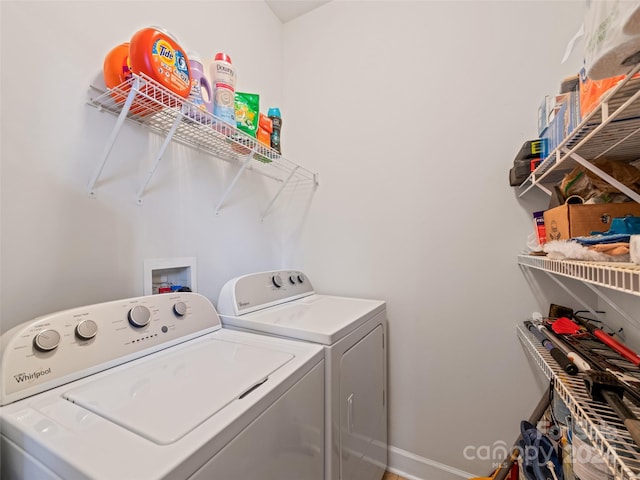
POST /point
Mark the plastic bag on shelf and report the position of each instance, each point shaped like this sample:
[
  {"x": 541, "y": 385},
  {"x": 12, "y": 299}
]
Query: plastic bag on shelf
[{"x": 593, "y": 189}]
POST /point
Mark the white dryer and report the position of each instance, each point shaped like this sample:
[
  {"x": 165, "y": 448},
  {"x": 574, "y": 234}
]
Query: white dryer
[
  {"x": 352, "y": 332},
  {"x": 153, "y": 388}
]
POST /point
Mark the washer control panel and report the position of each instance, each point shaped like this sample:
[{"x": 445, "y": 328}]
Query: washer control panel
[
  {"x": 60, "y": 347},
  {"x": 260, "y": 290}
]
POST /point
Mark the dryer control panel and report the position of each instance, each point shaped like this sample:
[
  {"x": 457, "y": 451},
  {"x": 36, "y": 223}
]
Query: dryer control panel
[
  {"x": 253, "y": 292},
  {"x": 60, "y": 347}
]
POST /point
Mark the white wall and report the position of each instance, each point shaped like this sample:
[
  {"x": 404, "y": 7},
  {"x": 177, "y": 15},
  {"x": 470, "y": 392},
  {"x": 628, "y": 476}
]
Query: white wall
[
  {"x": 412, "y": 112},
  {"x": 61, "y": 248}
]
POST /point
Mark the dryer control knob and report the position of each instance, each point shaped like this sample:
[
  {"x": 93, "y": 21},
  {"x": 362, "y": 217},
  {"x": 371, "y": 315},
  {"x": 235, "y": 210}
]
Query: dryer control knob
[
  {"x": 139, "y": 316},
  {"x": 47, "y": 340},
  {"x": 293, "y": 279},
  {"x": 301, "y": 278},
  {"x": 180, "y": 309},
  {"x": 277, "y": 281},
  {"x": 86, "y": 329}
]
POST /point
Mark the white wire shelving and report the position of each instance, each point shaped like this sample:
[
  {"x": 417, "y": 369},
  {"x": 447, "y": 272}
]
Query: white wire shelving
[
  {"x": 620, "y": 276},
  {"x": 611, "y": 130},
  {"x": 606, "y": 432},
  {"x": 143, "y": 101}
]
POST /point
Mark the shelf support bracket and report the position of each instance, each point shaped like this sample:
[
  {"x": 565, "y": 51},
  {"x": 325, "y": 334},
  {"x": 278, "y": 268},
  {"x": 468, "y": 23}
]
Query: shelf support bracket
[
  {"x": 573, "y": 295},
  {"x": 599, "y": 293},
  {"x": 159, "y": 155},
  {"x": 275, "y": 197},
  {"x": 611, "y": 303},
  {"x": 226, "y": 193},
  {"x": 114, "y": 134}
]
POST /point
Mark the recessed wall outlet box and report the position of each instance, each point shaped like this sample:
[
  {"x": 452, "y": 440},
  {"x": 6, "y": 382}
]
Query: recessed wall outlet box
[{"x": 168, "y": 274}]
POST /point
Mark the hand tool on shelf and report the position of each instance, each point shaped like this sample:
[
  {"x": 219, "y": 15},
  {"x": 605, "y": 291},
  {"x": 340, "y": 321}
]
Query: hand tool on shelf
[
  {"x": 604, "y": 387},
  {"x": 564, "y": 315},
  {"x": 557, "y": 354},
  {"x": 581, "y": 363},
  {"x": 601, "y": 358},
  {"x": 611, "y": 342}
]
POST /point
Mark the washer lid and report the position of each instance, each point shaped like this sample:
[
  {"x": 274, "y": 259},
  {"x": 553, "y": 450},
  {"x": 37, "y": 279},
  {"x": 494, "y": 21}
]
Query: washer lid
[
  {"x": 321, "y": 319},
  {"x": 164, "y": 397}
]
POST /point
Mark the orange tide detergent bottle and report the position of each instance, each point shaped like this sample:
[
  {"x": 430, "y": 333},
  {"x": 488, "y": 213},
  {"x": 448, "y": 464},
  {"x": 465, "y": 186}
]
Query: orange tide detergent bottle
[
  {"x": 156, "y": 53},
  {"x": 117, "y": 71}
]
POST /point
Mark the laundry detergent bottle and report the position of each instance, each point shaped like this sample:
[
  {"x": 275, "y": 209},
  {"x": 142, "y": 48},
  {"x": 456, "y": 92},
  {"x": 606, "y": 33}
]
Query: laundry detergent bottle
[
  {"x": 223, "y": 77},
  {"x": 201, "y": 92},
  {"x": 156, "y": 53},
  {"x": 117, "y": 73}
]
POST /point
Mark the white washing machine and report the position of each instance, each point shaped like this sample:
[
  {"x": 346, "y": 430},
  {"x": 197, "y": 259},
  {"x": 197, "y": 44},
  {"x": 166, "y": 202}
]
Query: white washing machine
[
  {"x": 153, "y": 388},
  {"x": 352, "y": 332}
]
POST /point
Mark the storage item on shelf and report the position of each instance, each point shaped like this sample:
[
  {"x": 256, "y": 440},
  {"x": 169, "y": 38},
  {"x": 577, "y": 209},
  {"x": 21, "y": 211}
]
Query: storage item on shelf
[
  {"x": 634, "y": 249},
  {"x": 564, "y": 118},
  {"x": 199, "y": 84},
  {"x": 591, "y": 188},
  {"x": 612, "y": 38},
  {"x": 223, "y": 78},
  {"x": 265, "y": 127},
  {"x": 116, "y": 68},
  {"x": 117, "y": 71},
  {"x": 276, "y": 121},
  {"x": 247, "y": 111},
  {"x": 591, "y": 91},
  {"x": 538, "y": 223},
  {"x": 524, "y": 161},
  {"x": 156, "y": 53},
  {"x": 575, "y": 220},
  {"x": 587, "y": 462}
]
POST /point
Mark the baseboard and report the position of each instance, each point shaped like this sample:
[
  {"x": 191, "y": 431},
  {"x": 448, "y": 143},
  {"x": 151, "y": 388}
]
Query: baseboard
[{"x": 414, "y": 467}]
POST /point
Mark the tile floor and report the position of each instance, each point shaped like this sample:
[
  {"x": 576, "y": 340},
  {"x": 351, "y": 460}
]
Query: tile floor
[{"x": 392, "y": 476}]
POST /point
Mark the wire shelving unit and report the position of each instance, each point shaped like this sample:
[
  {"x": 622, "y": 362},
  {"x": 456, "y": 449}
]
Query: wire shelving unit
[
  {"x": 143, "y": 101},
  {"x": 604, "y": 429}
]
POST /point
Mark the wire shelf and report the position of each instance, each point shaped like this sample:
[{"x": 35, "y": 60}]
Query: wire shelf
[
  {"x": 143, "y": 101},
  {"x": 600, "y": 423},
  {"x": 611, "y": 130},
  {"x": 620, "y": 276}
]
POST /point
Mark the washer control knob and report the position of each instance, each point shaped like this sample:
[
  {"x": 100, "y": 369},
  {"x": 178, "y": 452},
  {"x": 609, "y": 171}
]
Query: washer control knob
[
  {"x": 47, "y": 340},
  {"x": 301, "y": 278},
  {"x": 86, "y": 329},
  {"x": 293, "y": 279},
  {"x": 277, "y": 281},
  {"x": 139, "y": 316},
  {"x": 180, "y": 309}
]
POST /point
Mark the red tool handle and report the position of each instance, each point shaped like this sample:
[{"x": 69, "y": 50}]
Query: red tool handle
[{"x": 617, "y": 346}]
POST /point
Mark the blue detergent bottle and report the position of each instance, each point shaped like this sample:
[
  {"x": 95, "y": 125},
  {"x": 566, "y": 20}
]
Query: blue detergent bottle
[{"x": 276, "y": 120}]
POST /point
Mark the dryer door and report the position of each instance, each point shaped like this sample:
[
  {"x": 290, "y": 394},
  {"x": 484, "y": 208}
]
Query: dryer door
[{"x": 363, "y": 417}]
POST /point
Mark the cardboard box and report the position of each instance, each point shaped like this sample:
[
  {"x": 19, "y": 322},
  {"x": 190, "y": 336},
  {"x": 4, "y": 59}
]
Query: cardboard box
[{"x": 576, "y": 220}]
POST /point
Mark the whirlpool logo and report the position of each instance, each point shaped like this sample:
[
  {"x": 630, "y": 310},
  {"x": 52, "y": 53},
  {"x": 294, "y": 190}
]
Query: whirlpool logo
[{"x": 31, "y": 377}]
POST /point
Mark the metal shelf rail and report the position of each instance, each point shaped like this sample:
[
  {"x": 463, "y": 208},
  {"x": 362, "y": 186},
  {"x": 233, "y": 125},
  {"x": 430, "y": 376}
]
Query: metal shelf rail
[
  {"x": 620, "y": 276},
  {"x": 611, "y": 130},
  {"x": 601, "y": 425},
  {"x": 143, "y": 101}
]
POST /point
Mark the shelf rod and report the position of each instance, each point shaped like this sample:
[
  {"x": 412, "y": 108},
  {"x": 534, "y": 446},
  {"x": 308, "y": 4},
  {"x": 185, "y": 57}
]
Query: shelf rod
[
  {"x": 114, "y": 134},
  {"x": 284, "y": 184},
  {"x": 604, "y": 175},
  {"x": 245, "y": 164},
  {"x": 159, "y": 155}
]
